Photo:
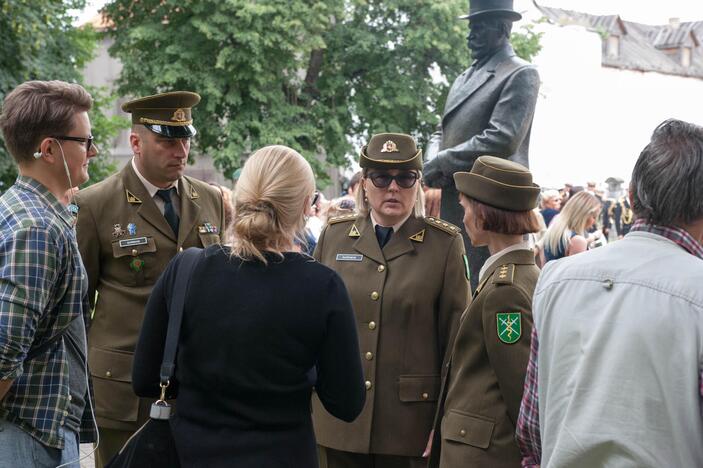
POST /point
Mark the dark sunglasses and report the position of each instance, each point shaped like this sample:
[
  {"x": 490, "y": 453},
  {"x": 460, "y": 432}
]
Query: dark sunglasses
[
  {"x": 88, "y": 141},
  {"x": 383, "y": 180}
]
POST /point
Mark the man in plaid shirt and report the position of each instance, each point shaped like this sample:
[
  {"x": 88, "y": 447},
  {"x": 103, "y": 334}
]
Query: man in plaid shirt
[
  {"x": 615, "y": 371},
  {"x": 45, "y": 407}
]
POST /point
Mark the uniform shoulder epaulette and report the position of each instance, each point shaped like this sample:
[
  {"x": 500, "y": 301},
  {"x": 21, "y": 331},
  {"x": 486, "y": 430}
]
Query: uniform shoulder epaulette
[
  {"x": 442, "y": 225},
  {"x": 342, "y": 218},
  {"x": 504, "y": 274}
]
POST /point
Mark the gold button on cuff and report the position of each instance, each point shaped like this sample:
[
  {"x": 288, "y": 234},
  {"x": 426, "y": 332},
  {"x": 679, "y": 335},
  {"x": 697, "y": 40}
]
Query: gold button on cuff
[
  {"x": 368, "y": 356},
  {"x": 381, "y": 268},
  {"x": 372, "y": 325},
  {"x": 462, "y": 432},
  {"x": 135, "y": 252},
  {"x": 368, "y": 385},
  {"x": 425, "y": 396},
  {"x": 108, "y": 374},
  {"x": 375, "y": 296}
]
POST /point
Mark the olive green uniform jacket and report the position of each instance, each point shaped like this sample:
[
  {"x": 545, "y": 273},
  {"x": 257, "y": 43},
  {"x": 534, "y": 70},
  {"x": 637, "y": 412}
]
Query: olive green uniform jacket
[
  {"x": 123, "y": 268},
  {"x": 407, "y": 299},
  {"x": 475, "y": 424}
]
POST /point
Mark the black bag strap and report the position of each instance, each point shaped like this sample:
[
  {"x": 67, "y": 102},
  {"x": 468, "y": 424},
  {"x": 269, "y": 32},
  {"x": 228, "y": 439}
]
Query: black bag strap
[{"x": 186, "y": 266}]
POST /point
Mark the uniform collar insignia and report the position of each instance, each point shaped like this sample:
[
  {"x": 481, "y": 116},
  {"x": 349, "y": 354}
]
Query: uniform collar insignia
[
  {"x": 131, "y": 198},
  {"x": 419, "y": 237},
  {"x": 193, "y": 193},
  {"x": 354, "y": 231}
]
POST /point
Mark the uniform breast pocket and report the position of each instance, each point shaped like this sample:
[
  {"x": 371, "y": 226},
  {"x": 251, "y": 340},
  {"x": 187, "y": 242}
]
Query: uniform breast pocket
[
  {"x": 136, "y": 257},
  {"x": 208, "y": 239}
]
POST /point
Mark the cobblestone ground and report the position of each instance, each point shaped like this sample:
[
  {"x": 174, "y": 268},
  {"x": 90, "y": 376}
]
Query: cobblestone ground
[{"x": 90, "y": 461}]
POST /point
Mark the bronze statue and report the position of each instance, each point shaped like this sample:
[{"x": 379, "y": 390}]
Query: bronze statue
[{"x": 489, "y": 111}]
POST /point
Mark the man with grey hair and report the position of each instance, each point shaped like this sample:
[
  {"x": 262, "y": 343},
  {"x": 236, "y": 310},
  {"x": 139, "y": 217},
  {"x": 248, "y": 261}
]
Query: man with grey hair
[{"x": 614, "y": 376}]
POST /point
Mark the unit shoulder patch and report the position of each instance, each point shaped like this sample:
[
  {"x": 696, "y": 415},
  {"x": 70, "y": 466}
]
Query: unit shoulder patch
[
  {"x": 509, "y": 326},
  {"x": 341, "y": 219},
  {"x": 504, "y": 274},
  {"x": 442, "y": 225}
]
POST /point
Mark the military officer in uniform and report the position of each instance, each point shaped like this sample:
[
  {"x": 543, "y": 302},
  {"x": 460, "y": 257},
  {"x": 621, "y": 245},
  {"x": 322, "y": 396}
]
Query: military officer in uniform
[
  {"x": 480, "y": 397},
  {"x": 406, "y": 275},
  {"x": 129, "y": 226}
]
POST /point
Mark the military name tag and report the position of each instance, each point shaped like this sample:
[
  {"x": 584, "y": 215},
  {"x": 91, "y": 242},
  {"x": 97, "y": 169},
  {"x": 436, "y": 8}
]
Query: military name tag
[
  {"x": 133, "y": 242},
  {"x": 349, "y": 257},
  {"x": 509, "y": 327}
]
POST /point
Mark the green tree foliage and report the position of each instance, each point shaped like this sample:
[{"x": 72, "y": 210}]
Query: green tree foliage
[
  {"x": 316, "y": 76},
  {"x": 39, "y": 42}
]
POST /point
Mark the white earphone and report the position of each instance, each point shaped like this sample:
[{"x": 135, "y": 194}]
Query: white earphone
[{"x": 37, "y": 155}]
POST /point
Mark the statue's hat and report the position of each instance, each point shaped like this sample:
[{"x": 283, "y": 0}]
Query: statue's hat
[{"x": 502, "y": 8}]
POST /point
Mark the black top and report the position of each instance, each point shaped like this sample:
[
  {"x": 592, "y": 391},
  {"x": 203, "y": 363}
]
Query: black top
[{"x": 254, "y": 341}]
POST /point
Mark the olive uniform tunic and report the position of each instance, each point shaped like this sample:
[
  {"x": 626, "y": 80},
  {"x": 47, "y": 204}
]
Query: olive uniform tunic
[
  {"x": 475, "y": 425},
  {"x": 407, "y": 299},
  {"x": 126, "y": 243}
]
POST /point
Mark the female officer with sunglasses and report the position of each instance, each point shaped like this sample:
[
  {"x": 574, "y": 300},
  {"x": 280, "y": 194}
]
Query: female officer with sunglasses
[{"x": 406, "y": 275}]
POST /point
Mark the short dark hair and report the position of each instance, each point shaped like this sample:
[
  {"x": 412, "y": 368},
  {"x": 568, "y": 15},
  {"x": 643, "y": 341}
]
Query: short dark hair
[
  {"x": 355, "y": 179},
  {"x": 37, "y": 109},
  {"x": 501, "y": 221},
  {"x": 667, "y": 181}
]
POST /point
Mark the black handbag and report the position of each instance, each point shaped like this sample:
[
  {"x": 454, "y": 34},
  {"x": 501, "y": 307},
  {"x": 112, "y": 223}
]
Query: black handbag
[{"x": 152, "y": 446}]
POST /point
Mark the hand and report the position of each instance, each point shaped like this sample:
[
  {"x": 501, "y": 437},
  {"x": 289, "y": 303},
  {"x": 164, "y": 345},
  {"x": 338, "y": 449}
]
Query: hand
[
  {"x": 428, "y": 448},
  {"x": 433, "y": 200},
  {"x": 433, "y": 176}
]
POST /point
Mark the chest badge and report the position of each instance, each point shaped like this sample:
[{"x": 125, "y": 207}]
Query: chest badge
[
  {"x": 207, "y": 228},
  {"x": 509, "y": 327},
  {"x": 117, "y": 231},
  {"x": 345, "y": 257},
  {"x": 132, "y": 229},
  {"x": 136, "y": 265}
]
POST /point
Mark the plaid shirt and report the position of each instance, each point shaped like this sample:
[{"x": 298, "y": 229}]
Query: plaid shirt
[
  {"x": 527, "y": 430},
  {"x": 43, "y": 287}
]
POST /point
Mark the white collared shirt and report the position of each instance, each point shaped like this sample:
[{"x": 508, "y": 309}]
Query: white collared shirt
[
  {"x": 152, "y": 189},
  {"x": 524, "y": 245},
  {"x": 396, "y": 227}
]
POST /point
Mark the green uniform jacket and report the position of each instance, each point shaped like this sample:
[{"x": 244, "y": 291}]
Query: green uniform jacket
[
  {"x": 407, "y": 299},
  {"x": 475, "y": 424},
  {"x": 123, "y": 267}
]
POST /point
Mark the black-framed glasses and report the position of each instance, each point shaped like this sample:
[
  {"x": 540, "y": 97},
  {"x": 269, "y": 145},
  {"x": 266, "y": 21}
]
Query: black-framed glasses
[
  {"x": 403, "y": 179},
  {"x": 87, "y": 140}
]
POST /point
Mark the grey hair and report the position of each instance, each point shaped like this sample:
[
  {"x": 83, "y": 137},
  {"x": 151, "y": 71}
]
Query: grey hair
[{"x": 667, "y": 181}]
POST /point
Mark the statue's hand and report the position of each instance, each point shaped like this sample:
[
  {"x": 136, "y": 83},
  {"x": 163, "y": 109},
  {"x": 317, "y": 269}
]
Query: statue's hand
[{"x": 433, "y": 176}]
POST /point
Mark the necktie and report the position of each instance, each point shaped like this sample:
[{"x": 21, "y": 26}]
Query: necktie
[
  {"x": 169, "y": 211},
  {"x": 383, "y": 234}
]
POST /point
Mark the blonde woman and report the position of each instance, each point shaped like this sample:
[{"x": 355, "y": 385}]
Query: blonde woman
[
  {"x": 567, "y": 234},
  {"x": 262, "y": 324}
]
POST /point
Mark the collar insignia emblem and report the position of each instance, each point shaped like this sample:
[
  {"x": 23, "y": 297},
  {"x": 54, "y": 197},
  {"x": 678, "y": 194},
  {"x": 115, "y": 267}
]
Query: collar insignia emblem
[
  {"x": 354, "y": 232},
  {"x": 419, "y": 237},
  {"x": 131, "y": 198},
  {"x": 389, "y": 147},
  {"x": 509, "y": 327}
]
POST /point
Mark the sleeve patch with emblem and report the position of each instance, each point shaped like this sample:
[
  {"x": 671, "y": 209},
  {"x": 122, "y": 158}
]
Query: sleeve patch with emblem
[{"x": 509, "y": 326}]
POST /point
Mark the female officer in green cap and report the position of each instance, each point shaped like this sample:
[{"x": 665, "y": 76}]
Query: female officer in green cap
[
  {"x": 481, "y": 394},
  {"x": 407, "y": 279}
]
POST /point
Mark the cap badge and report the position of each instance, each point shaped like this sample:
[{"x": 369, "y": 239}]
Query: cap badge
[
  {"x": 179, "y": 115},
  {"x": 389, "y": 147}
]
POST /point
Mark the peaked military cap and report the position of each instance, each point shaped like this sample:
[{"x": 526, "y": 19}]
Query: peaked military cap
[
  {"x": 502, "y": 8},
  {"x": 499, "y": 183},
  {"x": 391, "y": 151},
  {"x": 168, "y": 114}
]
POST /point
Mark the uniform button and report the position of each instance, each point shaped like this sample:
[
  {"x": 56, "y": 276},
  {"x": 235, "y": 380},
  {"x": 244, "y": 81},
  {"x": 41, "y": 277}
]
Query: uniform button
[
  {"x": 425, "y": 396},
  {"x": 368, "y": 385},
  {"x": 374, "y": 296},
  {"x": 608, "y": 284},
  {"x": 135, "y": 252},
  {"x": 180, "y": 249},
  {"x": 368, "y": 356},
  {"x": 108, "y": 374},
  {"x": 462, "y": 432},
  {"x": 372, "y": 325},
  {"x": 381, "y": 268}
]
